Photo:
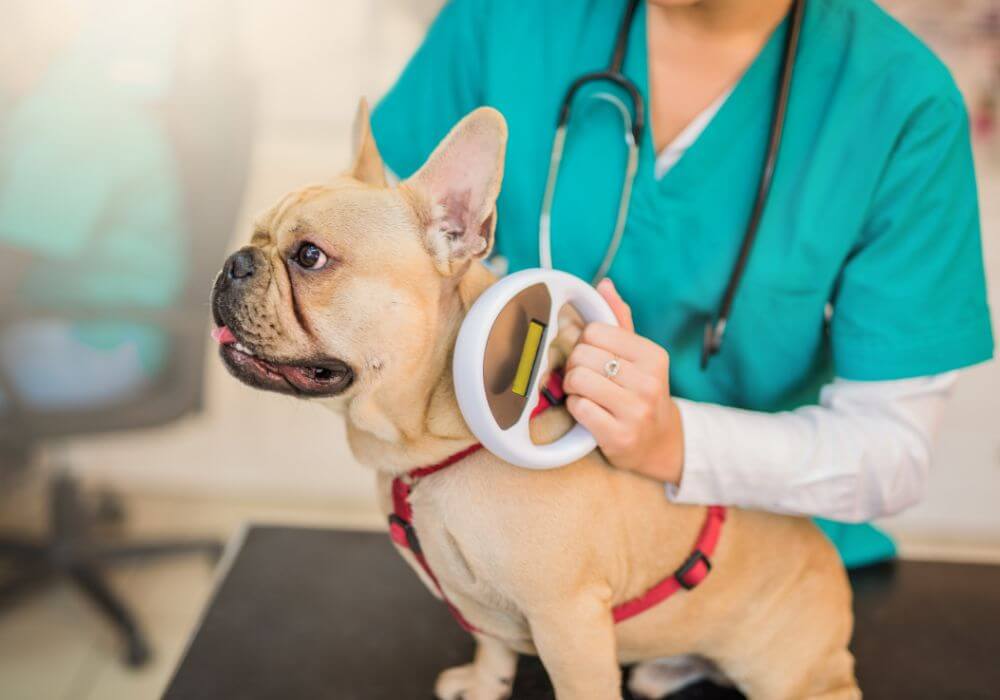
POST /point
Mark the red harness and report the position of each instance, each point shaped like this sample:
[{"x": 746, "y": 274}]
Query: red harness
[{"x": 692, "y": 572}]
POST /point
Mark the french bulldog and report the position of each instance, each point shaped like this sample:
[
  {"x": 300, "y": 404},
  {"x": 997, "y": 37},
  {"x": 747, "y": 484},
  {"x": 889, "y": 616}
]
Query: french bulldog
[{"x": 351, "y": 293}]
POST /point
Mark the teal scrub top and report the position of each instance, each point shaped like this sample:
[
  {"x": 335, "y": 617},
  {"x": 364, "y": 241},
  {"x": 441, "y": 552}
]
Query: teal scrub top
[{"x": 873, "y": 209}]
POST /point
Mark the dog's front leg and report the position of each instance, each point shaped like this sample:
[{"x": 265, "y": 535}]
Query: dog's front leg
[
  {"x": 576, "y": 642},
  {"x": 489, "y": 677}
]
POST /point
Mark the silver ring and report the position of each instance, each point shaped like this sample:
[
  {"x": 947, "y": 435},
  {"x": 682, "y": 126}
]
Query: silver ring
[{"x": 612, "y": 367}]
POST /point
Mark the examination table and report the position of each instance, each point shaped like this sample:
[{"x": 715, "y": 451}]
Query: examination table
[{"x": 309, "y": 613}]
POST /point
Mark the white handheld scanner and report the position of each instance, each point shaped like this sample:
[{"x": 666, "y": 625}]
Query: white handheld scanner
[{"x": 502, "y": 351}]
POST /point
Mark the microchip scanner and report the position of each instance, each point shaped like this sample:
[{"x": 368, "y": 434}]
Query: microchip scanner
[{"x": 502, "y": 352}]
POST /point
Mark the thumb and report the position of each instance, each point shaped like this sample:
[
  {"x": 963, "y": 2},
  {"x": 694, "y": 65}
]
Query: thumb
[{"x": 622, "y": 311}]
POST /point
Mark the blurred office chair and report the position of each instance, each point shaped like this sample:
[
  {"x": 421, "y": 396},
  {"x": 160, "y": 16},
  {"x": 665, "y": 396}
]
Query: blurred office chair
[{"x": 207, "y": 115}]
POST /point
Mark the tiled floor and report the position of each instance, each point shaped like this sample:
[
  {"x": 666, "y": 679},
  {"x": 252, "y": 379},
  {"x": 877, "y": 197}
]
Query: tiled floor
[{"x": 54, "y": 645}]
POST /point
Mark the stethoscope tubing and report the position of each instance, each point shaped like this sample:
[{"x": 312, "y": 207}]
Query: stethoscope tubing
[
  {"x": 609, "y": 76},
  {"x": 612, "y": 74},
  {"x": 545, "y": 218},
  {"x": 715, "y": 327}
]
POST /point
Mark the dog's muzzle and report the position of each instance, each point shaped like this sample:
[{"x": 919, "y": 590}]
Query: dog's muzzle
[{"x": 313, "y": 377}]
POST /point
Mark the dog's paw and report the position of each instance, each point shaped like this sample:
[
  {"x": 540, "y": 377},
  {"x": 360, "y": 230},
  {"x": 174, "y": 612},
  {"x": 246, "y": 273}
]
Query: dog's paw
[
  {"x": 454, "y": 683},
  {"x": 661, "y": 677},
  {"x": 459, "y": 683}
]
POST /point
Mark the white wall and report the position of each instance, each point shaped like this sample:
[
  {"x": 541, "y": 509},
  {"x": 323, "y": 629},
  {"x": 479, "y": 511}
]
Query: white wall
[
  {"x": 312, "y": 62},
  {"x": 963, "y": 498}
]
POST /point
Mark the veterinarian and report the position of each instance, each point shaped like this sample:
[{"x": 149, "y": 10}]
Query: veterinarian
[{"x": 862, "y": 292}]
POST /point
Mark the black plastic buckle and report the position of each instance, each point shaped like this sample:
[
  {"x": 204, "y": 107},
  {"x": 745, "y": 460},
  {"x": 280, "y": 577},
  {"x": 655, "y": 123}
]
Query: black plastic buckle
[
  {"x": 550, "y": 397},
  {"x": 689, "y": 564},
  {"x": 411, "y": 535}
]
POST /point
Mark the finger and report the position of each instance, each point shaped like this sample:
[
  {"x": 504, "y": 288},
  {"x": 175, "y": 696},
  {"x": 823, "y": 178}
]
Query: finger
[
  {"x": 618, "y": 341},
  {"x": 629, "y": 375},
  {"x": 625, "y": 344},
  {"x": 600, "y": 423},
  {"x": 623, "y": 312},
  {"x": 588, "y": 384}
]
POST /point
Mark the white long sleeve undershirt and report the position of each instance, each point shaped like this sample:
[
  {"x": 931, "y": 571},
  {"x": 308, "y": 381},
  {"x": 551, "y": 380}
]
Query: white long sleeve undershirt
[{"x": 862, "y": 453}]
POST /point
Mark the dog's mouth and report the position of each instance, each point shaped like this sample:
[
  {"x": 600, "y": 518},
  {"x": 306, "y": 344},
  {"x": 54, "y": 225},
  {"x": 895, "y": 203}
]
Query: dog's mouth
[{"x": 327, "y": 377}]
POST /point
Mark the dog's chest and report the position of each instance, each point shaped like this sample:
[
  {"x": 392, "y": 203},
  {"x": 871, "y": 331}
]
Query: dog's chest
[{"x": 458, "y": 549}]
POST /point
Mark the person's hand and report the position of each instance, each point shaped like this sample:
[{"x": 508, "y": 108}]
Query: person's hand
[{"x": 631, "y": 415}]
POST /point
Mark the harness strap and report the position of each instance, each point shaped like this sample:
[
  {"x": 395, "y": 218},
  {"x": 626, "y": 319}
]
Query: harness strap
[{"x": 692, "y": 572}]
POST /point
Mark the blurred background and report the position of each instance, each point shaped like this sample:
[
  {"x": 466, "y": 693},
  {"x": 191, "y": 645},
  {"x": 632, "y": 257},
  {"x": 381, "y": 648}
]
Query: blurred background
[{"x": 138, "y": 138}]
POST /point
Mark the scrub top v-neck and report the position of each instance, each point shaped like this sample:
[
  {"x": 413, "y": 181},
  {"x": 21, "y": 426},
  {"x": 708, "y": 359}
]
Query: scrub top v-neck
[{"x": 873, "y": 210}]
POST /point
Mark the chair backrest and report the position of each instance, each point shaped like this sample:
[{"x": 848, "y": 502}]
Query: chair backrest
[{"x": 208, "y": 116}]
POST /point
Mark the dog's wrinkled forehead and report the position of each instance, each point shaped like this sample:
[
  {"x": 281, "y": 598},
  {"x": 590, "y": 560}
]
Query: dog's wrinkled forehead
[
  {"x": 447, "y": 208},
  {"x": 343, "y": 217},
  {"x": 267, "y": 226}
]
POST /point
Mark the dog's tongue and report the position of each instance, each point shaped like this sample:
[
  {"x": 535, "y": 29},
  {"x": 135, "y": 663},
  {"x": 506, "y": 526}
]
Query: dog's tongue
[{"x": 223, "y": 336}]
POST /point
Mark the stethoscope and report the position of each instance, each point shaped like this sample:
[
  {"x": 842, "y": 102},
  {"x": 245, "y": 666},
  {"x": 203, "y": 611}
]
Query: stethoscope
[{"x": 634, "y": 122}]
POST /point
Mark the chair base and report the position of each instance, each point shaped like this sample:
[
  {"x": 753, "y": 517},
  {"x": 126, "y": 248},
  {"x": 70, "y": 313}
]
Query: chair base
[{"x": 70, "y": 553}]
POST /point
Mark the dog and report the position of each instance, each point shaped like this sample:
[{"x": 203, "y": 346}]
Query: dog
[{"x": 352, "y": 293}]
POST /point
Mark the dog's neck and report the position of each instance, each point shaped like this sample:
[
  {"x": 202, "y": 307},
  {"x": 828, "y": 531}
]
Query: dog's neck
[{"x": 397, "y": 428}]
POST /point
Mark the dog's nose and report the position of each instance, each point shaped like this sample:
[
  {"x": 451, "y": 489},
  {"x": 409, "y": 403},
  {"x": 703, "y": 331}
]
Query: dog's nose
[{"x": 240, "y": 265}]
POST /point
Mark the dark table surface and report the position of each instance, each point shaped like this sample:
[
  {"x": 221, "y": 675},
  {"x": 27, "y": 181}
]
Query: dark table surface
[{"x": 304, "y": 613}]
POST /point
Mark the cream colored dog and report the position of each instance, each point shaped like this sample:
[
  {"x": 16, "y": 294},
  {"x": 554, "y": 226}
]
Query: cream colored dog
[{"x": 353, "y": 292}]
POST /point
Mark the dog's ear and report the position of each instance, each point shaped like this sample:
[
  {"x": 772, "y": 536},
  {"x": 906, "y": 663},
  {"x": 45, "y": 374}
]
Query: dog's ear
[
  {"x": 366, "y": 163},
  {"x": 459, "y": 185}
]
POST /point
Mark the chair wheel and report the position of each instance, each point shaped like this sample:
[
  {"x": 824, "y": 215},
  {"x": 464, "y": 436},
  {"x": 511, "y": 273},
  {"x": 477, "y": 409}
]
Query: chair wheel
[
  {"x": 214, "y": 553},
  {"x": 14, "y": 455},
  {"x": 109, "y": 509},
  {"x": 137, "y": 652}
]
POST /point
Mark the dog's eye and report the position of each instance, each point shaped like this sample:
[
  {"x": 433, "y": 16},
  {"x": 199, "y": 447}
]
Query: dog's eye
[{"x": 310, "y": 257}]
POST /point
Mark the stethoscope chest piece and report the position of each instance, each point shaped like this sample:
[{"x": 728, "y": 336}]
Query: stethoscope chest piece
[{"x": 501, "y": 354}]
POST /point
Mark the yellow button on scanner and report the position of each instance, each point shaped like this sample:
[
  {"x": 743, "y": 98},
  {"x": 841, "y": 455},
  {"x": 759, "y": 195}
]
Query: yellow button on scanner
[{"x": 529, "y": 353}]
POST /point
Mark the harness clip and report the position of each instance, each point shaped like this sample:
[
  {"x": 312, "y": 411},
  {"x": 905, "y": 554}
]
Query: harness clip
[
  {"x": 409, "y": 535},
  {"x": 697, "y": 556}
]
